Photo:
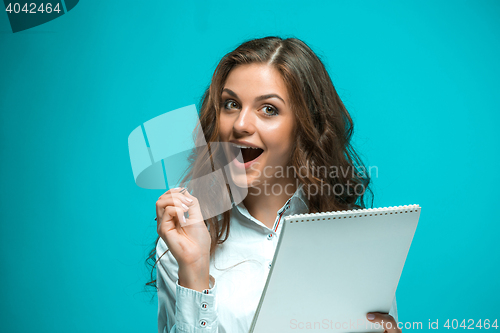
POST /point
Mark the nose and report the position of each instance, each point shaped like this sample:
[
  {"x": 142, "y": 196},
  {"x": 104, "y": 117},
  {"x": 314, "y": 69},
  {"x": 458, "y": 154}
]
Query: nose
[{"x": 244, "y": 124}]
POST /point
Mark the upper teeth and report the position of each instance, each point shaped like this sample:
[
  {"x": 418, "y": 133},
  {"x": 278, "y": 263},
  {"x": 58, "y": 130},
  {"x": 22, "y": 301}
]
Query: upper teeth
[{"x": 242, "y": 146}]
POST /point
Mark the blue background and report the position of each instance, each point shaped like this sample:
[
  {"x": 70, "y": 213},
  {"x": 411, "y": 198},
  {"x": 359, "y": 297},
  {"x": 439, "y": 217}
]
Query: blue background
[{"x": 420, "y": 79}]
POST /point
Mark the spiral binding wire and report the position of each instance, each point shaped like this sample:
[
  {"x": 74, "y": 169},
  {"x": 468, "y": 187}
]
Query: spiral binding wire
[{"x": 406, "y": 209}]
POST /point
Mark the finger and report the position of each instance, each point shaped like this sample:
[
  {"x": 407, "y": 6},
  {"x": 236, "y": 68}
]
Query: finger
[
  {"x": 183, "y": 197},
  {"x": 169, "y": 200},
  {"x": 187, "y": 199},
  {"x": 385, "y": 320},
  {"x": 180, "y": 208},
  {"x": 184, "y": 192},
  {"x": 172, "y": 219},
  {"x": 171, "y": 191},
  {"x": 176, "y": 200},
  {"x": 194, "y": 208},
  {"x": 176, "y": 192}
]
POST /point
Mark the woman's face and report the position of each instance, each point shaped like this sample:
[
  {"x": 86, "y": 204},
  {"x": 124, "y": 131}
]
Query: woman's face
[{"x": 256, "y": 112}]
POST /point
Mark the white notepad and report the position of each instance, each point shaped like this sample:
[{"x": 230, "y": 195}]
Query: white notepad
[{"x": 330, "y": 269}]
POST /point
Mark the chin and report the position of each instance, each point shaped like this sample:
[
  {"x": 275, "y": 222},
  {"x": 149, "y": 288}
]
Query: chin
[
  {"x": 241, "y": 182},
  {"x": 244, "y": 181}
]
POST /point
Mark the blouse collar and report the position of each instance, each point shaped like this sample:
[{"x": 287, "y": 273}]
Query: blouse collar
[{"x": 297, "y": 204}]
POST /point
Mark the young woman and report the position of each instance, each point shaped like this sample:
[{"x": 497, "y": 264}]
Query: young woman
[{"x": 273, "y": 99}]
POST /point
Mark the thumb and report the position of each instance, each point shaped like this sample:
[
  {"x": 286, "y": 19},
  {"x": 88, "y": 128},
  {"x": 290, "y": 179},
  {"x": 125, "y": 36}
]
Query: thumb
[{"x": 385, "y": 320}]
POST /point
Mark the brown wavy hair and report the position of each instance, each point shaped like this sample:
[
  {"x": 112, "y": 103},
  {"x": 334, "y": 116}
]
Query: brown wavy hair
[{"x": 322, "y": 139}]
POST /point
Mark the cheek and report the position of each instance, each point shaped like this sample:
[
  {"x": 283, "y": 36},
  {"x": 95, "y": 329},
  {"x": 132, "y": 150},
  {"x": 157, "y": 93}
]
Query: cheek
[
  {"x": 287, "y": 144},
  {"x": 280, "y": 144},
  {"x": 285, "y": 135},
  {"x": 224, "y": 128}
]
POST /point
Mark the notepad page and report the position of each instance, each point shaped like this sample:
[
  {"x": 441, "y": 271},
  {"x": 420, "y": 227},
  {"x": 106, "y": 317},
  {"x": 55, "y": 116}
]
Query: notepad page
[{"x": 330, "y": 269}]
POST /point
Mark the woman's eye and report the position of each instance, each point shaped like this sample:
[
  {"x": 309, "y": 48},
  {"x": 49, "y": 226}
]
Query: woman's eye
[
  {"x": 270, "y": 110},
  {"x": 230, "y": 104}
]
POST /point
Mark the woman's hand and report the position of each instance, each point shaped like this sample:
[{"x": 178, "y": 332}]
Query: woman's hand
[
  {"x": 385, "y": 320},
  {"x": 187, "y": 238}
]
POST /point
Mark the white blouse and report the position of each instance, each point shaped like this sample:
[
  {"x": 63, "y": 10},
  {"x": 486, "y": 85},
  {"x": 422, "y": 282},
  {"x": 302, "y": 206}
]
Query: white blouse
[{"x": 238, "y": 273}]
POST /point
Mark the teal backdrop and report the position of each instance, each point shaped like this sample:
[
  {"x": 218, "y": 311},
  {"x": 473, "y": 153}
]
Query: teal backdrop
[{"x": 420, "y": 79}]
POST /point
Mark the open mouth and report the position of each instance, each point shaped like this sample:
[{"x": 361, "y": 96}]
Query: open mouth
[{"x": 248, "y": 153}]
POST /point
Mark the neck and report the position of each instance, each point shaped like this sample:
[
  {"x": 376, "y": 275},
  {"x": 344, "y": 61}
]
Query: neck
[{"x": 263, "y": 203}]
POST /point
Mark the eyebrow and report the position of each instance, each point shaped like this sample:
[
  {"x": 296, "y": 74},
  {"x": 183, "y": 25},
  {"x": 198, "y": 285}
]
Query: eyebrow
[{"x": 260, "y": 98}]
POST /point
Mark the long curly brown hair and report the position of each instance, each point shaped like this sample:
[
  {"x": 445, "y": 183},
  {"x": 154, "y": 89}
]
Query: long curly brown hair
[{"x": 322, "y": 139}]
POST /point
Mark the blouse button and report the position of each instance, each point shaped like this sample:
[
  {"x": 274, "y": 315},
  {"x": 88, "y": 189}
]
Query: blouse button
[
  {"x": 203, "y": 323},
  {"x": 204, "y": 306},
  {"x": 270, "y": 236},
  {"x": 270, "y": 264}
]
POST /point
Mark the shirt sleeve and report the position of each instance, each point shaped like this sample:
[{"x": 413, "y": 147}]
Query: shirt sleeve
[
  {"x": 394, "y": 310},
  {"x": 182, "y": 309}
]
